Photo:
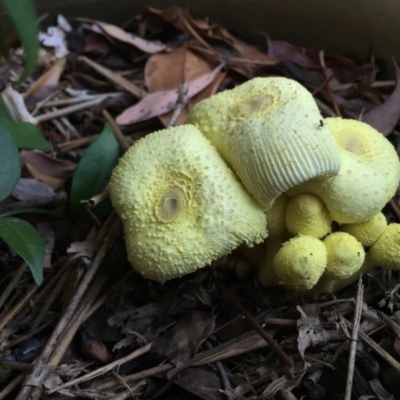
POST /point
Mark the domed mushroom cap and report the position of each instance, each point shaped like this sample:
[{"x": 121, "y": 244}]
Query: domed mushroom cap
[
  {"x": 308, "y": 215},
  {"x": 300, "y": 262},
  {"x": 368, "y": 232},
  {"x": 268, "y": 131},
  {"x": 181, "y": 206},
  {"x": 385, "y": 252},
  {"x": 368, "y": 177},
  {"x": 345, "y": 255}
]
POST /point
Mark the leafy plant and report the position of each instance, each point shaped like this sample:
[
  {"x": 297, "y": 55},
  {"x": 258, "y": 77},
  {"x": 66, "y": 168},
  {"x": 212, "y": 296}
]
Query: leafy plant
[{"x": 17, "y": 233}]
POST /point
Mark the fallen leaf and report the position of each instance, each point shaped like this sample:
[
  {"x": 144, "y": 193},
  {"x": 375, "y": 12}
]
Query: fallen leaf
[
  {"x": 159, "y": 103},
  {"x": 384, "y": 118},
  {"x": 183, "y": 340},
  {"x": 96, "y": 44},
  {"x": 54, "y": 37},
  {"x": 147, "y": 46},
  {"x": 45, "y": 85},
  {"x": 202, "y": 382},
  {"x": 15, "y": 105},
  {"x": 31, "y": 189},
  {"x": 95, "y": 348},
  {"x": 55, "y": 183},
  {"x": 170, "y": 70}
]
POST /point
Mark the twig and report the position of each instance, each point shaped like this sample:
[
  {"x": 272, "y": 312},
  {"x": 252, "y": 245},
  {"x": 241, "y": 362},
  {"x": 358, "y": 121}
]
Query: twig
[
  {"x": 181, "y": 101},
  {"x": 378, "y": 349},
  {"x": 10, "y": 287},
  {"x": 117, "y": 131},
  {"x": 354, "y": 337},
  {"x": 37, "y": 374},
  {"x": 11, "y": 386},
  {"x": 69, "y": 110},
  {"x": 113, "y": 77},
  {"x": 328, "y": 87},
  {"x": 98, "y": 198},
  {"x": 285, "y": 358},
  {"x": 284, "y": 393},
  {"x": 76, "y": 143},
  {"x": 17, "y": 308},
  {"x": 106, "y": 368}
]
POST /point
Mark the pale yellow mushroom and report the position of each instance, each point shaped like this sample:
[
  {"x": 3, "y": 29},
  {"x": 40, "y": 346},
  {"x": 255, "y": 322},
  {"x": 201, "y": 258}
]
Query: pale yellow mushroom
[
  {"x": 368, "y": 177},
  {"x": 308, "y": 215},
  {"x": 268, "y": 130},
  {"x": 300, "y": 263},
  {"x": 181, "y": 206},
  {"x": 369, "y": 231}
]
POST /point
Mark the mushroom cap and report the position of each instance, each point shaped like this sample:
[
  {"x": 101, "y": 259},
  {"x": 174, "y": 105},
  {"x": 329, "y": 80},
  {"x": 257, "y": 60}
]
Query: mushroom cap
[
  {"x": 276, "y": 216},
  {"x": 368, "y": 177},
  {"x": 180, "y": 204},
  {"x": 300, "y": 262},
  {"x": 345, "y": 255},
  {"x": 368, "y": 232},
  {"x": 385, "y": 252},
  {"x": 268, "y": 131},
  {"x": 308, "y": 215}
]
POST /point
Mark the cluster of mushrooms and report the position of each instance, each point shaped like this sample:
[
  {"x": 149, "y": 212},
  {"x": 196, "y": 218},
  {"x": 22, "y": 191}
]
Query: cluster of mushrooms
[{"x": 258, "y": 166}]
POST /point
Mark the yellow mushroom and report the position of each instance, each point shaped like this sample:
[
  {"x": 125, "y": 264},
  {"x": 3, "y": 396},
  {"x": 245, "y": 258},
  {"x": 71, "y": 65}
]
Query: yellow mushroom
[
  {"x": 345, "y": 255},
  {"x": 385, "y": 252},
  {"x": 181, "y": 206},
  {"x": 368, "y": 177},
  {"x": 308, "y": 215},
  {"x": 300, "y": 263},
  {"x": 369, "y": 231},
  {"x": 268, "y": 130}
]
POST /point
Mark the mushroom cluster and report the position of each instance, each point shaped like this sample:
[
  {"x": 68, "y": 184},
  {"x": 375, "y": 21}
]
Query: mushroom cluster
[{"x": 256, "y": 161}]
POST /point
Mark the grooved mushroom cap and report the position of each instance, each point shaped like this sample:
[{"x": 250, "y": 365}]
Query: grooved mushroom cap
[
  {"x": 181, "y": 206},
  {"x": 345, "y": 255},
  {"x": 300, "y": 262},
  {"x": 369, "y": 231},
  {"x": 268, "y": 131},
  {"x": 385, "y": 252},
  {"x": 368, "y": 177},
  {"x": 308, "y": 215}
]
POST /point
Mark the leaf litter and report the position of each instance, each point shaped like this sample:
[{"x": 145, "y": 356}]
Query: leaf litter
[{"x": 89, "y": 333}]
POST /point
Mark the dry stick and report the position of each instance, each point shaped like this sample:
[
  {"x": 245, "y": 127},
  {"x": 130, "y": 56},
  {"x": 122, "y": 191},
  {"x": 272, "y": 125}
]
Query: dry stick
[
  {"x": 77, "y": 100},
  {"x": 285, "y": 358},
  {"x": 378, "y": 349},
  {"x": 181, "y": 101},
  {"x": 35, "y": 377},
  {"x": 98, "y": 198},
  {"x": 69, "y": 110},
  {"x": 117, "y": 131},
  {"x": 17, "y": 308},
  {"x": 328, "y": 88},
  {"x": 10, "y": 287},
  {"x": 284, "y": 393},
  {"x": 115, "y": 78},
  {"x": 76, "y": 143},
  {"x": 11, "y": 386},
  {"x": 354, "y": 337},
  {"x": 106, "y": 368},
  {"x": 64, "y": 273},
  {"x": 395, "y": 208}
]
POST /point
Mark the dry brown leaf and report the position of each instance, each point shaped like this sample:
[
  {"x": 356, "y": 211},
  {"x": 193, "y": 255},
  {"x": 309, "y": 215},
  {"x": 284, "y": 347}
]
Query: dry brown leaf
[
  {"x": 159, "y": 103},
  {"x": 170, "y": 70},
  {"x": 147, "y": 46},
  {"x": 95, "y": 348},
  {"x": 15, "y": 105},
  {"x": 45, "y": 85},
  {"x": 385, "y": 117}
]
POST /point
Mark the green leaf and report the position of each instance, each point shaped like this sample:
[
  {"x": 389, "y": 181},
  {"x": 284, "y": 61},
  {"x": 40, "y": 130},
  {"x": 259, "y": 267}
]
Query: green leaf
[
  {"x": 93, "y": 172},
  {"x": 4, "y": 113},
  {"x": 26, "y": 136},
  {"x": 27, "y": 242},
  {"x": 31, "y": 210},
  {"x": 10, "y": 163},
  {"x": 23, "y": 14}
]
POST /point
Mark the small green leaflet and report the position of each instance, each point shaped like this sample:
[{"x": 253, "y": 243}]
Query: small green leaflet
[
  {"x": 27, "y": 242},
  {"x": 10, "y": 162},
  {"x": 93, "y": 172},
  {"x": 23, "y": 14},
  {"x": 26, "y": 136}
]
